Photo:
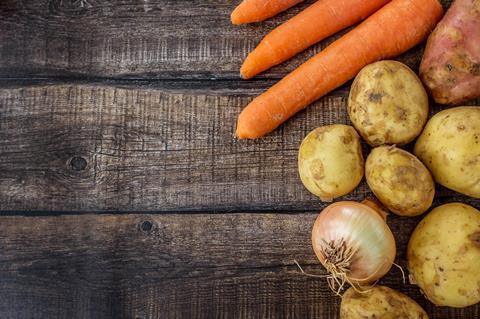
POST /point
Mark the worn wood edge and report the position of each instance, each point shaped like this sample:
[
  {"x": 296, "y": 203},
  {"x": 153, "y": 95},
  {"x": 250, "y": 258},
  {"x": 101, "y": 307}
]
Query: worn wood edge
[{"x": 225, "y": 86}]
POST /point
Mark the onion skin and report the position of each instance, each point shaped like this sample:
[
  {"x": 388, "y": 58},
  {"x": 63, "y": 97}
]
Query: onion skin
[
  {"x": 444, "y": 255},
  {"x": 362, "y": 229}
]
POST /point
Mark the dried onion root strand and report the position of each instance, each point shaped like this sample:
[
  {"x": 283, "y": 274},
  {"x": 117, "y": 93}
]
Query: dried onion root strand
[{"x": 354, "y": 244}]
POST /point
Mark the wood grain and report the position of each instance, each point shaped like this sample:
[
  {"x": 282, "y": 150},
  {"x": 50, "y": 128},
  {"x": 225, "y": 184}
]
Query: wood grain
[
  {"x": 155, "y": 134},
  {"x": 171, "y": 148},
  {"x": 174, "y": 266},
  {"x": 163, "y": 39}
]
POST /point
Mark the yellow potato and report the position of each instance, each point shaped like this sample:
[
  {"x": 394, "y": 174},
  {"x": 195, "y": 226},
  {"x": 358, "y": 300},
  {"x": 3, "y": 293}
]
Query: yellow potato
[
  {"x": 444, "y": 255},
  {"x": 450, "y": 147},
  {"x": 330, "y": 161},
  {"x": 388, "y": 104},
  {"x": 399, "y": 180},
  {"x": 380, "y": 302}
]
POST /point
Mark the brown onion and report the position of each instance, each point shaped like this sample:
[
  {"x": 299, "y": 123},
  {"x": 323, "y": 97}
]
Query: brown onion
[{"x": 354, "y": 243}]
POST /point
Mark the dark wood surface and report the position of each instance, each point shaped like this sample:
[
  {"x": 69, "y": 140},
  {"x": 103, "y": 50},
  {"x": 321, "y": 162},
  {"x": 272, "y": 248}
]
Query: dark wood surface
[
  {"x": 151, "y": 39},
  {"x": 123, "y": 193},
  {"x": 237, "y": 265}
]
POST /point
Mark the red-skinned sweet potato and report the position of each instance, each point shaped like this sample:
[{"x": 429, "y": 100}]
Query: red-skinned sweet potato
[{"x": 451, "y": 65}]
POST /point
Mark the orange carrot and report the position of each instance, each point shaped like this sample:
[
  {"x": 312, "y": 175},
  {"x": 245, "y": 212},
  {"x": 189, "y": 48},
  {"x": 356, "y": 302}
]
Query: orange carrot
[
  {"x": 258, "y": 10},
  {"x": 392, "y": 30},
  {"x": 317, "y": 22}
]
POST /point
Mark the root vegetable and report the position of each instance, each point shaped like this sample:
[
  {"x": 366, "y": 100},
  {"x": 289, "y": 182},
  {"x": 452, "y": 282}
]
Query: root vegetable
[
  {"x": 388, "y": 104},
  {"x": 451, "y": 65},
  {"x": 392, "y": 30},
  {"x": 444, "y": 255},
  {"x": 399, "y": 180},
  {"x": 330, "y": 161},
  {"x": 319, "y": 21},
  {"x": 249, "y": 11},
  {"x": 379, "y": 302},
  {"x": 450, "y": 147}
]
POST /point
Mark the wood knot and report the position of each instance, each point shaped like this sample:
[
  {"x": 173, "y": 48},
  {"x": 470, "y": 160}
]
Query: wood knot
[
  {"x": 70, "y": 7},
  {"x": 146, "y": 226},
  {"x": 78, "y": 163}
]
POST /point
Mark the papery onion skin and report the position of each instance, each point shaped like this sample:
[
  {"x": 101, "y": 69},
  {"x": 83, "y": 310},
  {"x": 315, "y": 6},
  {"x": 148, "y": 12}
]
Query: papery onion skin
[{"x": 364, "y": 230}]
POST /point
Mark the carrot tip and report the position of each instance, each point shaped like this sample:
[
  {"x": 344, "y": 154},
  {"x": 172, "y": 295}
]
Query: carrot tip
[
  {"x": 236, "y": 18},
  {"x": 245, "y": 74},
  {"x": 245, "y": 77},
  {"x": 235, "y": 21}
]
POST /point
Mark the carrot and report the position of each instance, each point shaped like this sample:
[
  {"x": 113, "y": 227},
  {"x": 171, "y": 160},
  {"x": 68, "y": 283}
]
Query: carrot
[
  {"x": 258, "y": 10},
  {"x": 317, "y": 22},
  {"x": 392, "y": 30}
]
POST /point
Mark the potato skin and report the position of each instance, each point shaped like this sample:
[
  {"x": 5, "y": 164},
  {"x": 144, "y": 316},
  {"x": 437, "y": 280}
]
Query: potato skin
[
  {"x": 450, "y": 147},
  {"x": 399, "y": 180},
  {"x": 450, "y": 67},
  {"x": 330, "y": 161},
  {"x": 444, "y": 255},
  {"x": 388, "y": 104},
  {"x": 379, "y": 302}
]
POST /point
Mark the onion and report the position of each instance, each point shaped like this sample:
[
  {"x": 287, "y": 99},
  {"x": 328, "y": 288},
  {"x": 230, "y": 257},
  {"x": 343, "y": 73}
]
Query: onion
[{"x": 354, "y": 243}]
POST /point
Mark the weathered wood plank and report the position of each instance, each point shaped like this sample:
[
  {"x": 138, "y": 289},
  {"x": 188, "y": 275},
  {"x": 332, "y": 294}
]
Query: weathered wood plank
[
  {"x": 173, "y": 266},
  {"x": 104, "y": 148},
  {"x": 148, "y": 39}
]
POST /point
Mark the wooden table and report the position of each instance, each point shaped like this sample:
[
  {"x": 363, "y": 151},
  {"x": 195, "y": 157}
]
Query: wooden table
[{"x": 122, "y": 189}]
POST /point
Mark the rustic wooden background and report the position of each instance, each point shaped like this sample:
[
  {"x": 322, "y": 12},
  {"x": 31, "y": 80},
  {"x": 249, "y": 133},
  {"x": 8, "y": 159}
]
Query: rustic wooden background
[{"x": 123, "y": 193}]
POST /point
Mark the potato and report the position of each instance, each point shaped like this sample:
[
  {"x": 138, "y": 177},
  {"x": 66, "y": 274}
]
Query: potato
[
  {"x": 444, "y": 255},
  {"x": 379, "y": 302},
  {"x": 450, "y": 147},
  {"x": 399, "y": 180},
  {"x": 388, "y": 104},
  {"x": 450, "y": 67},
  {"x": 330, "y": 161}
]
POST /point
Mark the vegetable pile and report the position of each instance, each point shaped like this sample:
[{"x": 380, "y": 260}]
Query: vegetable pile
[
  {"x": 392, "y": 30},
  {"x": 388, "y": 107}
]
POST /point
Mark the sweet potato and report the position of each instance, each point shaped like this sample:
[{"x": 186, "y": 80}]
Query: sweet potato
[{"x": 451, "y": 65}]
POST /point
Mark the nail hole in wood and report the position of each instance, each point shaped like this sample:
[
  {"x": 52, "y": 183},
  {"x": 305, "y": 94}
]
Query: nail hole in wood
[
  {"x": 78, "y": 163},
  {"x": 147, "y": 226}
]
